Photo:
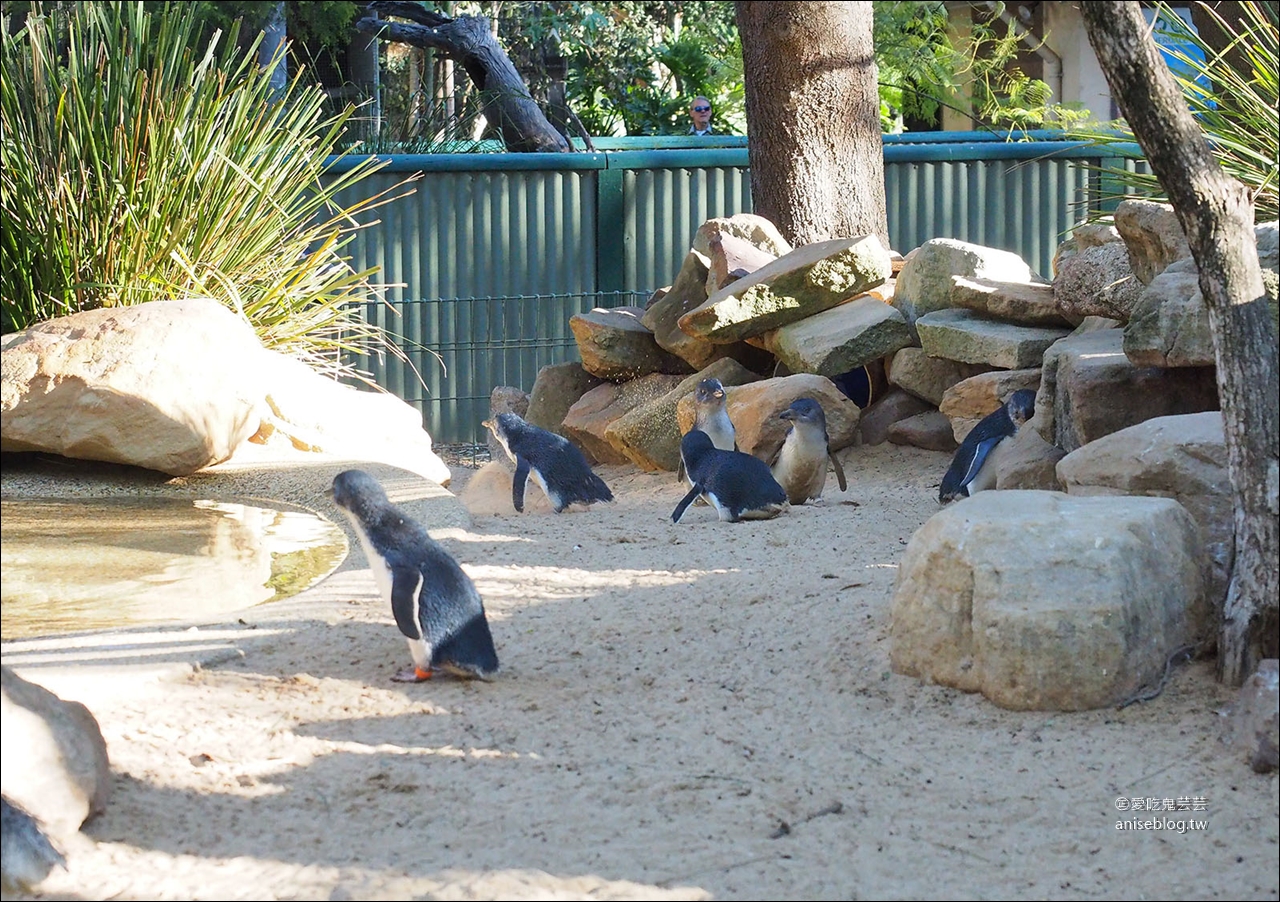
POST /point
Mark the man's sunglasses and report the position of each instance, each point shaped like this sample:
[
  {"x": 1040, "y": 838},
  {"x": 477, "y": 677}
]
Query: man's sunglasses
[{"x": 702, "y": 109}]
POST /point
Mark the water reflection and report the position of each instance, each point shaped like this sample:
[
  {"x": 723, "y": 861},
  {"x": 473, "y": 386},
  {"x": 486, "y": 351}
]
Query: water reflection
[{"x": 77, "y": 564}]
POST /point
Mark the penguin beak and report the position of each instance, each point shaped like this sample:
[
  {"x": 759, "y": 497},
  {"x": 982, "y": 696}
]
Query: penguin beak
[
  {"x": 787, "y": 414},
  {"x": 488, "y": 424}
]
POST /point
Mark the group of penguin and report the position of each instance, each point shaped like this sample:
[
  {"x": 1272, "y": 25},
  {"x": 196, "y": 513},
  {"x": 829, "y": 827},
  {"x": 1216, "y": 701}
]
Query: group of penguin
[{"x": 436, "y": 605}]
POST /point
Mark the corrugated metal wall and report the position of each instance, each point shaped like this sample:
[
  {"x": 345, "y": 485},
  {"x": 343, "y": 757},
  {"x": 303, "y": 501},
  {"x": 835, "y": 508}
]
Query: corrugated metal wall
[{"x": 494, "y": 252}]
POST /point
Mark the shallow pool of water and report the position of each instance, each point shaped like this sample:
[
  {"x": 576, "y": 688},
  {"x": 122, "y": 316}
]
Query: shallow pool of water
[{"x": 92, "y": 563}]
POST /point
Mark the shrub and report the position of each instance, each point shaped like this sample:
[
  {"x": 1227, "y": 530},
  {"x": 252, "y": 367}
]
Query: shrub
[{"x": 137, "y": 168}]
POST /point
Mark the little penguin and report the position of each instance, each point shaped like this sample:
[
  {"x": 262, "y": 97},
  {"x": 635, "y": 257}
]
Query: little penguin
[
  {"x": 27, "y": 854},
  {"x": 800, "y": 464},
  {"x": 974, "y": 466},
  {"x": 558, "y": 466},
  {"x": 711, "y": 415},
  {"x": 434, "y": 602},
  {"x": 737, "y": 485}
]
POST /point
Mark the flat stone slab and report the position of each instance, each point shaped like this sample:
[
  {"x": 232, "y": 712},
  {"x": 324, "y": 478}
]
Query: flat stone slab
[
  {"x": 928, "y": 378},
  {"x": 615, "y": 344},
  {"x": 1029, "y": 303},
  {"x": 808, "y": 280},
  {"x": 1044, "y": 601},
  {"x": 840, "y": 339},
  {"x": 967, "y": 337}
]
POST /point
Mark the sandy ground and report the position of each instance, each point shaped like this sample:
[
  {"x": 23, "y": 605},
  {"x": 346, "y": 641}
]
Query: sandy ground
[{"x": 692, "y": 711}]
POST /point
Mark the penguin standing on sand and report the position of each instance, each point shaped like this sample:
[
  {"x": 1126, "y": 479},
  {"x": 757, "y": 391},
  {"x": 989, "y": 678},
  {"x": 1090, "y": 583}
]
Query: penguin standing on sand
[
  {"x": 711, "y": 415},
  {"x": 974, "y": 466},
  {"x": 434, "y": 602},
  {"x": 800, "y": 464},
  {"x": 558, "y": 466},
  {"x": 737, "y": 485}
]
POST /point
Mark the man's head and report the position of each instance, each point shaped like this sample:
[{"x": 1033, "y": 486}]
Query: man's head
[{"x": 700, "y": 112}]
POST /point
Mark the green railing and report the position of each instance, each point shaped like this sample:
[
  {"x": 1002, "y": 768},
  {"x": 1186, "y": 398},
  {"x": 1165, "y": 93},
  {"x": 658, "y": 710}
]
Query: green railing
[{"x": 492, "y": 252}]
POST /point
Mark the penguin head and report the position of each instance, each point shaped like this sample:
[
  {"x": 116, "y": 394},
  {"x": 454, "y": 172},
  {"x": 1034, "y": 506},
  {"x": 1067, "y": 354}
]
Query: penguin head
[
  {"x": 709, "y": 391},
  {"x": 358, "y": 492},
  {"x": 1021, "y": 406},
  {"x": 805, "y": 410},
  {"x": 503, "y": 424}
]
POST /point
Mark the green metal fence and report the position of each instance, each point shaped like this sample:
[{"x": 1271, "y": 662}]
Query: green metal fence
[{"x": 492, "y": 253}]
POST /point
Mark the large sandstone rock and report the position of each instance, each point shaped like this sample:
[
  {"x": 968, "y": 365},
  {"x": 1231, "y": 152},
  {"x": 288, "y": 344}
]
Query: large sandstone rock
[
  {"x": 967, "y": 337},
  {"x": 649, "y": 435},
  {"x": 1089, "y": 389},
  {"x": 924, "y": 284},
  {"x": 730, "y": 258},
  {"x": 840, "y": 339},
  {"x": 1178, "y": 457},
  {"x": 806, "y": 281},
  {"x": 754, "y": 410},
  {"x": 173, "y": 386},
  {"x": 1252, "y": 725},
  {"x": 892, "y": 407},
  {"x": 967, "y": 402},
  {"x": 1083, "y": 237},
  {"x": 587, "y": 420},
  {"x": 754, "y": 229},
  {"x": 614, "y": 344},
  {"x": 55, "y": 759},
  {"x": 930, "y": 430},
  {"x": 1097, "y": 281},
  {"x": 1043, "y": 601},
  {"x": 928, "y": 378},
  {"x": 1153, "y": 235},
  {"x": 1028, "y": 462},
  {"x": 556, "y": 388},
  {"x": 1029, "y": 303},
  {"x": 317, "y": 414},
  {"x": 1169, "y": 325}
]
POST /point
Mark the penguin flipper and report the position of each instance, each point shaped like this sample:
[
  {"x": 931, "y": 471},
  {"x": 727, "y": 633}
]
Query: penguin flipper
[
  {"x": 518, "y": 482},
  {"x": 835, "y": 462},
  {"x": 406, "y": 589},
  {"x": 980, "y": 455},
  {"x": 685, "y": 502}
]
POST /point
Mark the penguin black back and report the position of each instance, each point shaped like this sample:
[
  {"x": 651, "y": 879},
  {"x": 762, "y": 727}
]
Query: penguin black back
[
  {"x": 435, "y": 604},
  {"x": 555, "y": 462},
  {"x": 738, "y": 485},
  {"x": 974, "y": 452}
]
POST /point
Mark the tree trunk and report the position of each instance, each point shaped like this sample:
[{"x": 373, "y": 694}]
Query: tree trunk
[
  {"x": 1216, "y": 214},
  {"x": 468, "y": 39},
  {"x": 813, "y": 109}
]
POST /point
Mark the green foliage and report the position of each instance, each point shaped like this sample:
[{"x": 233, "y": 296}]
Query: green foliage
[
  {"x": 135, "y": 168},
  {"x": 1236, "y": 105}
]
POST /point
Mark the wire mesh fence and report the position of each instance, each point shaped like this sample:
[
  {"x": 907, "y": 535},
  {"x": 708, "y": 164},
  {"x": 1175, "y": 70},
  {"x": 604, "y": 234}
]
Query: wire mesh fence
[{"x": 457, "y": 350}]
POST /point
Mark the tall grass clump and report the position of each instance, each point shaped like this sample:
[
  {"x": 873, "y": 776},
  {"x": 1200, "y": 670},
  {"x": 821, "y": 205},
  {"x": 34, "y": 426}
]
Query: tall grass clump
[
  {"x": 138, "y": 165},
  {"x": 1234, "y": 93}
]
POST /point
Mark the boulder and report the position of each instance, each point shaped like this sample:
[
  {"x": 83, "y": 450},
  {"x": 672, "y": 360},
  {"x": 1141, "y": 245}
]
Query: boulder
[
  {"x": 1253, "y": 721},
  {"x": 1028, "y": 303},
  {"x": 55, "y": 759},
  {"x": 590, "y": 416},
  {"x": 840, "y": 339},
  {"x": 754, "y": 229},
  {"x": 924, "y": 284},
  {"x": 1169, "y": 325},
  {"x": 173, "y": 386},
  {"x": 1178, "y": 457},
  {"x": 614, "y": 344},
  {"x": 556, "y": 388},
  {"x": 1027, "y": 461},
  {"x": 730, "y": 258},
  {"x": 1044, "y": 601},
  {"x": 1097, "y": 281},
  {"x": 806, "y": 281},
  {"x": 928, "y": 378},
  {"x": 968, "y": 401},
  {"x": 754, "y": 410},
  {"x": 1153, "y": 235},
  {"x": 1084, "y": 236},
  {"x": 649, "y": 436},
  {"x": 930, "y": 430},
  {"x": 967, "y": 337},
  {"x": 892, "y": 407},
  {"x": 1089, "y": 389},
  {"x": 314, "y": 413}
]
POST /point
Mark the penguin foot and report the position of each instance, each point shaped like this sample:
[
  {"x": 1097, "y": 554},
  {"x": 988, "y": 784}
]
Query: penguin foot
[{"x": 412, "y": 675}]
